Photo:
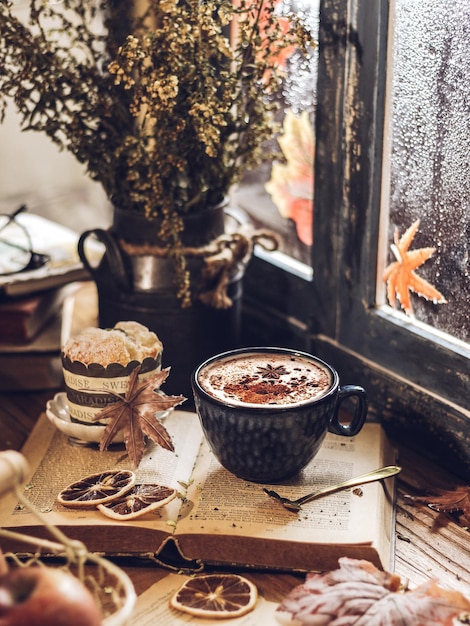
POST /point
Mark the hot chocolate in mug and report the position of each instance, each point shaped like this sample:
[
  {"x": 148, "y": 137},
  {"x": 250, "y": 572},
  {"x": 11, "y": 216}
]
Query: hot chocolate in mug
[{"x": 265, "y": 411}]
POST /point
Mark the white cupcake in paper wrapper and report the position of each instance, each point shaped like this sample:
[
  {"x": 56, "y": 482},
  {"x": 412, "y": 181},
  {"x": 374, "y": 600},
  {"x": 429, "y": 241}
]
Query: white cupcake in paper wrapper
[{"x": 99, "y": 361}]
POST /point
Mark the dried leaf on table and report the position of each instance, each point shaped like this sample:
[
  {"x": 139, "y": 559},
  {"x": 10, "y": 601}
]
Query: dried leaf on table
[
  {"x": 400, "y": 276},
  {"x": 135, "y": 415},
  {"x": 448, "y": 501},
  {"x": 359, "y": 594}
]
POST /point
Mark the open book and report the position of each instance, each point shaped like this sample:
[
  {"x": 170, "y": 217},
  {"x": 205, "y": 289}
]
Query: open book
[{"x": 219, "y": 519}]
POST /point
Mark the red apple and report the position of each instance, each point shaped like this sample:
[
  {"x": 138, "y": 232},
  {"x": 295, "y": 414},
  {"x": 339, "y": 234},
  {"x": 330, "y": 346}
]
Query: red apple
[{"x": 45, "y": 596}]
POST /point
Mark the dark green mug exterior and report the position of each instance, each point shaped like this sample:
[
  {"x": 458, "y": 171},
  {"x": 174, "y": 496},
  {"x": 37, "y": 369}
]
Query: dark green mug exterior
[{"x": 271, "y": 444}]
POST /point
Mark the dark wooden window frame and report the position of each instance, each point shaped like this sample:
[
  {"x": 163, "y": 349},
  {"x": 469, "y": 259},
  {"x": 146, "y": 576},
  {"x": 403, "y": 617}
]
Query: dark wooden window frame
[{"x": 417, "y": 385}]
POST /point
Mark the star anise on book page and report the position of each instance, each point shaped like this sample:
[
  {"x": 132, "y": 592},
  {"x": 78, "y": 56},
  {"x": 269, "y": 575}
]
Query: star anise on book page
[
  {"x": 449, "y": 501},
  {"x": 400, "y": 276},
  {"x": 135, "y": 415},
  {"x": 359, "y": 594}
]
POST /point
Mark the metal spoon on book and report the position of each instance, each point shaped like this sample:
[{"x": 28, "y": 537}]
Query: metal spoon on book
[{"x": 296, "y": 505}]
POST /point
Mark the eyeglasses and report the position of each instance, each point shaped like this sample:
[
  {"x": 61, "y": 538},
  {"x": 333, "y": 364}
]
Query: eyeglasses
[{"x": 16, "y": 248}]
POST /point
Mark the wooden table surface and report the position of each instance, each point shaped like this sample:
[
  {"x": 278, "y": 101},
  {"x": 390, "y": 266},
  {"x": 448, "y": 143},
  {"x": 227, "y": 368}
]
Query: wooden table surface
[{"x": 428, "y": 544}]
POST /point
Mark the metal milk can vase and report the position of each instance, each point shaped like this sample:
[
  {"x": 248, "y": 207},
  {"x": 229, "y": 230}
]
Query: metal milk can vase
[{"x": 139, "y": 285}]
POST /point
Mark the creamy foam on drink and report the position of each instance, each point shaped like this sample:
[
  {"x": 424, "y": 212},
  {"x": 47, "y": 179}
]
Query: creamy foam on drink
[{"x": 265, "y": 378}]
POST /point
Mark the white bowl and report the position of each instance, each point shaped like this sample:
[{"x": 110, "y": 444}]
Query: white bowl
[{"x": 57, "y": 410}]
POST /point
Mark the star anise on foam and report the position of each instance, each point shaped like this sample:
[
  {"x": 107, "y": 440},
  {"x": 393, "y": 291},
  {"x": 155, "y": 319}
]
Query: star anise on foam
[
  {"x": 268, "y": 371},
  {"x": 135, "y": 415}
]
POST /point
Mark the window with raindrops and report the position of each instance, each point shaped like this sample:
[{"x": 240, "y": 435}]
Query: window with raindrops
[{"x": 426, "y": 186}]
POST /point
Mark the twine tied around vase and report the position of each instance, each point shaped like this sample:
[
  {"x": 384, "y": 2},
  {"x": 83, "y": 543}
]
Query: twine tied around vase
[{"x": 221, "y": 258}]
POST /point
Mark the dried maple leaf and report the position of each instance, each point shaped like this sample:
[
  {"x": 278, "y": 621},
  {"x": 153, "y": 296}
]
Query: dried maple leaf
[
  {"x": 359, "y": 594},
  {"x": 400, "y": 276},
  {"x": 449, "y": 501},
  {"x": 135, "y": 415}
]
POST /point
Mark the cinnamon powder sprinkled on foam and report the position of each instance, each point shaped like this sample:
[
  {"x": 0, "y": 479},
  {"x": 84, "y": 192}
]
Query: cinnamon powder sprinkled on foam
[{"x": 265, "y": 379}]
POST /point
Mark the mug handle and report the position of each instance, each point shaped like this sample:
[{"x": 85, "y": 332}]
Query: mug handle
[{"x": 360, "y": 413}]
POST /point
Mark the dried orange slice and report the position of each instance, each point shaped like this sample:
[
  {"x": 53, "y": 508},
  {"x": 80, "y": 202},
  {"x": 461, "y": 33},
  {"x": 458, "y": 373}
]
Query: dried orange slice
[
  {"x": 97, "y": 488},
  {"x": 215, "y": 596},
  {"x": 141, "y": 499}
]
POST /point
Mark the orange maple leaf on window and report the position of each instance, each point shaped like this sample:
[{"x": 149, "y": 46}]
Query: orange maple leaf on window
[{"x": 400, "y": 276}]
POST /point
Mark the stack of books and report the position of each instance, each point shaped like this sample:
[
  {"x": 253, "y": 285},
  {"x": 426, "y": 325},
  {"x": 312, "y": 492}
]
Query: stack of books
[
  {"x": 31, "y": 305},
  {"x": 30, "y": 340}
]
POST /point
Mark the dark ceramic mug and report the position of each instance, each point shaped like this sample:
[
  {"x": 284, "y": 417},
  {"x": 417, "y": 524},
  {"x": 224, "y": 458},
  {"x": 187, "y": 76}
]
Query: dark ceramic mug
[{"x": 265, "y": 411}]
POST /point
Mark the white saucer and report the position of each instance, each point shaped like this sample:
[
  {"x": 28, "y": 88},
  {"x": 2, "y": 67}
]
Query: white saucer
[{"x": 57, "y": 410}]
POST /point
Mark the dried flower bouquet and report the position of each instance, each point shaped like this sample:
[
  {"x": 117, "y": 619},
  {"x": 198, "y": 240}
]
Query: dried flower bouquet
[{"x": 167, "y": 103}]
